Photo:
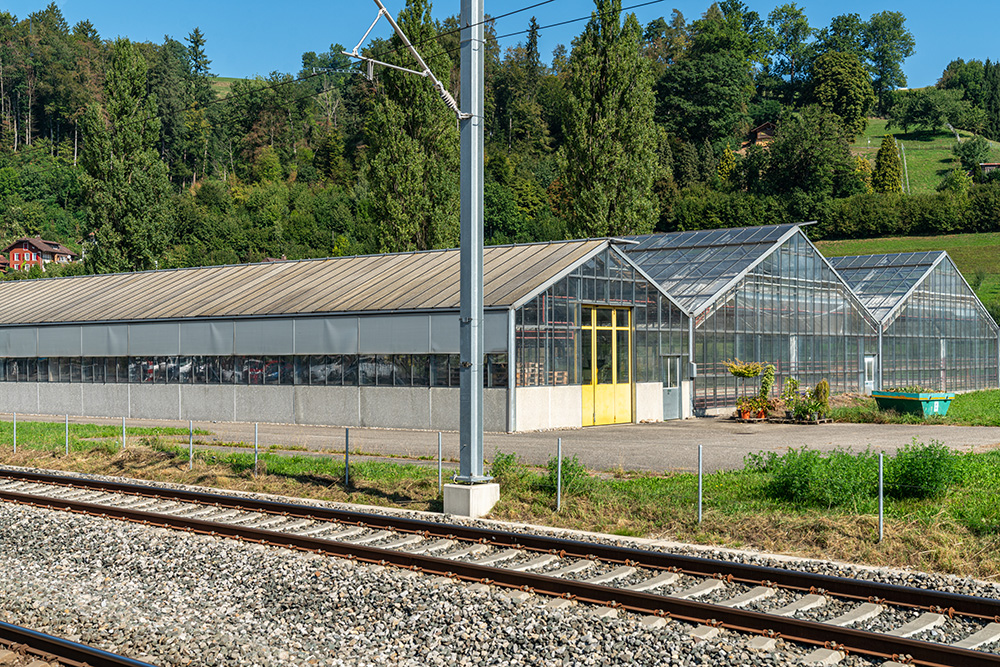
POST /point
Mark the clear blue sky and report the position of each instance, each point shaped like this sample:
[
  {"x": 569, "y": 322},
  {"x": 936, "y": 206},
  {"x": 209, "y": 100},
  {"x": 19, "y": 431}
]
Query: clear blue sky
[{"x": 257, "y": 37}]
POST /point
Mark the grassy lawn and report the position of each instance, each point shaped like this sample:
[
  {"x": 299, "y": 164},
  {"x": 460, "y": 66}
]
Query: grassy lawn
[
  {"x": 972, "y": 254},
  {"x": 976, "y": 408},
  {"x": 928, "y": 153},
  {"x": 222, "y": 84},
  {"x": 956, "y": 530}
]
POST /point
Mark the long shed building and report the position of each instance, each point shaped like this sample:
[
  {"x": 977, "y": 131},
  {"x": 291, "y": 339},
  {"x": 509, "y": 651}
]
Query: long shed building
[{"x": 575, "y": 334}]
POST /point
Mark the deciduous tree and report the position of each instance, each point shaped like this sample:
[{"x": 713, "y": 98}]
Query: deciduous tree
[{"x": 841, "y": 85}]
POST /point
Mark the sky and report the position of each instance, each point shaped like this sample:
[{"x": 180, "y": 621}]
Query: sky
[{"x": 255, "y": 37}]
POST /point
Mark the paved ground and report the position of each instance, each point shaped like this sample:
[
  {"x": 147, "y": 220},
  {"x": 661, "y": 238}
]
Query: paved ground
[{"x": 655, "y": 447}]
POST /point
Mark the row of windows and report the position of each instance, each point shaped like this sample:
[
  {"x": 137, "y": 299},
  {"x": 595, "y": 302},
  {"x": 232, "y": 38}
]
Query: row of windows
[{"x": 376, "y": 370}]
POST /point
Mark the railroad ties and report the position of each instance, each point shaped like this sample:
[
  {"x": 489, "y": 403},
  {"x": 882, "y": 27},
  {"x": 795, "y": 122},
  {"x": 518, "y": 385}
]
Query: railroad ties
[{"x": 834, "y": 615}]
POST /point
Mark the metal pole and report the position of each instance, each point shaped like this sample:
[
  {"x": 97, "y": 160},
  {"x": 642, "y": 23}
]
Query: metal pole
[
  {"x": 440, "y": 484},
  {"x": 255, "y": 456},
  {"x": 67, "y": 435},
  {"x": 123, "y": 433},
  {"x": 881, "y": 507},
  {"x": 15, "y": 433},
  {"x": 700, "y": 482},
  {"x": 471, "y": 253},
  {"x": 347, "y": 458},
  {"x": 559, "y": 475},
  {"x": 190, "y": 444}
]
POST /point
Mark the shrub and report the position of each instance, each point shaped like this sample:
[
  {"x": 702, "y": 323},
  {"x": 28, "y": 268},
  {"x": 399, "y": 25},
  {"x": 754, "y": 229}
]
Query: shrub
[
  {"x": 806, "y": 477},
  {"x": 573, "y": 473},
  {"x": 508, "y": 468},
  {"x": 920, "y": 471},
  {"x": 821, "y": 397}
]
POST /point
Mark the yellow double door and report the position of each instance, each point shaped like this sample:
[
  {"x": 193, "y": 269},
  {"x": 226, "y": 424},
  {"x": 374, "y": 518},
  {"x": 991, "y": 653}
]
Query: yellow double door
[{"x": 606, "y": 353}]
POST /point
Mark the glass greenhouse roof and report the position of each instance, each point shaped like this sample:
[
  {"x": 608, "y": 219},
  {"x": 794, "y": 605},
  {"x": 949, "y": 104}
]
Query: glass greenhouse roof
[
  {"x": 693, "y": 267},
  {"x": 881, "y": 281}
]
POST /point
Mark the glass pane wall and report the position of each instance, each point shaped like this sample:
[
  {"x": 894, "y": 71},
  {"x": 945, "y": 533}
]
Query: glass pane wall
[
  {"x": 791, "y": 310},
  {"x": 941, "y": 338},
  {"x": 549, "y": 336}
]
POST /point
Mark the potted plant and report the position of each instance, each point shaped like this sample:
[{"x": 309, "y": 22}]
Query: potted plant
[
  {"x": 790, "y": 396},
  {"x": 821, "y": 399},
  {"x": 744, "y": 407}
]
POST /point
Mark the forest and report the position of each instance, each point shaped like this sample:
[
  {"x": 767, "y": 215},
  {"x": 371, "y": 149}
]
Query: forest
[{"x": 133, "y": 152}]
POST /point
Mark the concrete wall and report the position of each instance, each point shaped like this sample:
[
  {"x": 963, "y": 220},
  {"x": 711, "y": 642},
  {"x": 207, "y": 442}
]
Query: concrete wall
[
  {"x": 541, "y": 408},
  {"x": 434, "y": 408},
  {"x": 648, "y": 402}
]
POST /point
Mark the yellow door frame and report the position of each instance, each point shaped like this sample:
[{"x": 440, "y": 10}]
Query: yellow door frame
[{"x": 608, "y": 402}]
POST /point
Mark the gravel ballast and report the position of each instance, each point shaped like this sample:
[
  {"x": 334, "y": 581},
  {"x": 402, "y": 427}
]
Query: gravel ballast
[{"x": 173, "y": 598}]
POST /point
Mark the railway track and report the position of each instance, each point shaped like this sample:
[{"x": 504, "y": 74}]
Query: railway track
[
  {"x": 834, "y": 614},
  {"x": 21, "y": 647}
]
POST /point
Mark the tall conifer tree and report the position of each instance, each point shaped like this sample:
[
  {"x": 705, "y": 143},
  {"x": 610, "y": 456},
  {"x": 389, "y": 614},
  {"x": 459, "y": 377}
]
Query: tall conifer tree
[
  {"x": 609, "y": 158},
  {"x": 888, "y": 175}
]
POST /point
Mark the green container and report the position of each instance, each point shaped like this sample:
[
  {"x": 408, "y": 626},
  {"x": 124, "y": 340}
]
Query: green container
[{"x": 925, "y": 405}]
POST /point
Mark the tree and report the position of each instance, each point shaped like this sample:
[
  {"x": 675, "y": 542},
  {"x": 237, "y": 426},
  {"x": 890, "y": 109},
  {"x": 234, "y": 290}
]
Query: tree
[
  {"x": 412, "y": 161},
  {"x": 609, "y": 156},
  {"x": 887, "y": 44},
  {"x": 888, "y": 175},
  {"x": 972, "y": 152},
  {"x": 841, "y": 84},
  {"x": 125, "y": 184},
  {"x": 991, "y": 99},
  {"x": 931, "y": 109},
  {"x": 705, "y": 96},
  {"x": 965, "y": 76},
  {"x": 810, "y": 154},
  {"x": 845, "y": 34},
  {"x": 663, "y": 42},
  {"x": 791, "y": 32}
]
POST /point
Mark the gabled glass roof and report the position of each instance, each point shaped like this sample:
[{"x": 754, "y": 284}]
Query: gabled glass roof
[
  {"x": 694, "y": 266},
  {"x": 881, "y": 281}
]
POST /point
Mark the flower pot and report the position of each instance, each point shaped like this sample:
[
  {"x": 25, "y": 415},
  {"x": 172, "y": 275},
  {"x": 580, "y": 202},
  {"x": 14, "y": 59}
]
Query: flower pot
[
  {"x": 789, "y": 414},
  {"x": 762, "y": 414}
]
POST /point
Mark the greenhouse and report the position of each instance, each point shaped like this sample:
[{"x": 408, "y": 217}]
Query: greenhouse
[
  {"x": 933, "y": 331},
  {"x": 761, "y": 294},
  {"x": 351, "y": 341}
]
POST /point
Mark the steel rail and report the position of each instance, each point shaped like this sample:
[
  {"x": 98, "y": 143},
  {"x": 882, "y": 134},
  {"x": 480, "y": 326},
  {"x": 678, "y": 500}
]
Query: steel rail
[
  {"x": 66, "y": 652},
  {"x": 857, "y": 641},
  {"x": 931, "y": 600}
]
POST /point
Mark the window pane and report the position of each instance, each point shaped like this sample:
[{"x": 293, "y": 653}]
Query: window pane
[
  {"x": 383, "y": 370},
  {"x": 439, "y": 370},
  {"x": 184, "y": 369},
  {"x": 623, "y": 356},
  {"x": 228, "y": 372},
  {"x": 401, "y": 370},
  {"x": 272, "y": 370},
  {"x": 366, "y": 370},
  {"x": 421, "y": 370},
  {"x": 455, "y": 367},
  {"x": 498, "y": 370},
  {"x": 302, "y": 370},
  {"x": 605, "y": 360},
  {"x": 287, "y": 370},
  {"x": 603, "y": 317},
  {"x": 43, "y": 370},
  {"x": 253, "y": 370},
  {"x": 349, "y": 364},
  {"x": 31, "y": 368},
  {"x": 336, "y": 371},
  {"x": 75, "y": 369},
  {"x": 586, "y": 339}
]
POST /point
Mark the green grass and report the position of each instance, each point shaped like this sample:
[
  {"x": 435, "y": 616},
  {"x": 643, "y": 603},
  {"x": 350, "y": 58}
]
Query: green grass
[
  {"x": 976, "y": 408},
  {"x": 46, "y": 435},
  {"x": 222, "y": 85},
  {"x": 971, "y": 253},
  {"x": 928, "y": 153}
]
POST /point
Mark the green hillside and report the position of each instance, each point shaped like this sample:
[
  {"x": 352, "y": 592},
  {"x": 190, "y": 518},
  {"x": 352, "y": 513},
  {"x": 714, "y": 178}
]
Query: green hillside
[
  {"x": 222, "y": 84},
  {"x": 976, "y": 255},
  {"x": 928, "y": 154}
]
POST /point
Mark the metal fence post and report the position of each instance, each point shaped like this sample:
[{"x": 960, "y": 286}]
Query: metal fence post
[
  {"x": 440, "y": 485},
  {"x": 881, "y": 506},
  {"x": 123, "y": 433},
  {"x": 190, "y": 444},
  {"x": 67, "y": 435},
  {"x": 255, "y": 457},
  {"x": 347, "y": 458},
  {"x": 15, "y": 433},
  {"x": 559, "y": 474},
  {"x": 701, "y": 487}
]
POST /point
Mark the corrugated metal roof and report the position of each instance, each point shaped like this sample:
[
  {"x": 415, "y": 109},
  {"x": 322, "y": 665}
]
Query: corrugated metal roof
[
  {"x": 406, "y": 281},
  {"x": 883, "y": 281}
]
